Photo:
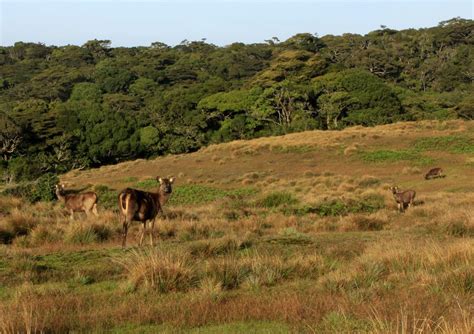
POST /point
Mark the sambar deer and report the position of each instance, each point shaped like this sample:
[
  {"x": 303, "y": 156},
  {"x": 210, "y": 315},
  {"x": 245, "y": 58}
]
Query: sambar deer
[
  {"x": 143, "y": 206},
  {"x": 82, "y": 202},
  {"x": 434, "y": 173},
  {"x": 403, "y": 198}
]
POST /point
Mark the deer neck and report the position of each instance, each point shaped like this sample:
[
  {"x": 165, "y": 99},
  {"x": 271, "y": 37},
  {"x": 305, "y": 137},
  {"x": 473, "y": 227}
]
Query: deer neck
[
  {"x": 60, "y": 195},
  {"x": 163, "y": 198}
]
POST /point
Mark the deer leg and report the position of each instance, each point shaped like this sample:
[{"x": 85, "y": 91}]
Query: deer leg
[
  {"x": 72, "y": 214},
  {"x": 152, "y": 232},
  {"x": 124, "y": 232},
  {"x": 143, "y": 232},
  {"x": 401, "y": 207},
  {"x": 94, "y": 210}
]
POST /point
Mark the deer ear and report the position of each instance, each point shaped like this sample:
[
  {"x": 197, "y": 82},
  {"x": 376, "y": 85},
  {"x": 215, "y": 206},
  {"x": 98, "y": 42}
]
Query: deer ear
[
  {"x": 172, "y": 180},
  {"x": 159, "y": 179}
]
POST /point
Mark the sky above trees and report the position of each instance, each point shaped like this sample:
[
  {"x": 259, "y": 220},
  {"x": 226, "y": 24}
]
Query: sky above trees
[{"x": 221, "y": 22}]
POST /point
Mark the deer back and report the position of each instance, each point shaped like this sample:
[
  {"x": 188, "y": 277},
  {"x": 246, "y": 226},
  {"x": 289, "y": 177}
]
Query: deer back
[
  {"x": 406, "y": 196},
  {"x": 83, "y": 201},
  {"x": 139, "y": 205},
  {"x": 434, "y": 172}
]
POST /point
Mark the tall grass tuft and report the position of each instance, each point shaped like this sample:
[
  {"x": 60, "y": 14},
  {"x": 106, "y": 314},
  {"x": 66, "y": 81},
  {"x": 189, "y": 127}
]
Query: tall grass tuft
[{"x": 157, "y": 270}]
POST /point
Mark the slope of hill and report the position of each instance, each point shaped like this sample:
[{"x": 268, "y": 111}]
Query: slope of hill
[{"x": 297, "y": 233}]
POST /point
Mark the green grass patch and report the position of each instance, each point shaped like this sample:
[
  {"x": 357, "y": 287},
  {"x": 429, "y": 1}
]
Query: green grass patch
[
  {"x": 198, "y": 194},
  {"x": 277, "y": 199},
  {"x": 453, "y": 144},
  {"x": 107, "y": 198},
  {"x": 379, "y": 156},
  {"x": 130, "y": 179},
  {"x": 338, "y": 207},
  {"x": 147, "y": 184}
]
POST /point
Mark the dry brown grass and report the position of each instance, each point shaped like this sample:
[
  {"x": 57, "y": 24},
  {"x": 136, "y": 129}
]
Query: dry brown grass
[{"x": 240, "y": 259}]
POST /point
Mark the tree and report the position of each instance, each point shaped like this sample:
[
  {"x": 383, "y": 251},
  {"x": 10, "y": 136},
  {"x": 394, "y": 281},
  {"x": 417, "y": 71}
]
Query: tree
[
  {"x": 355, "y": 97},
  {"x": 281, "y": 103},
  {"x": 10, "y": 137},
  {"x": 112, "y": 77},
  {"x": 305, "y": 41},
  {"x": 99, "y": 49}
]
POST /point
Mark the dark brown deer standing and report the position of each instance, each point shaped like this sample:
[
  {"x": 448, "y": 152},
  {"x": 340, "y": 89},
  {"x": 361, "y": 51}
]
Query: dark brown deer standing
[
  {"x": 434, "y": 173},
  {"x": 403, "y": 198},
  {"x": 83, "y": 202},
  {"x": 143, "y": 206}
]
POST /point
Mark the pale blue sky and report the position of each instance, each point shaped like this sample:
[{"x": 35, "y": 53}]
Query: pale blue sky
[{"x": 133, "y": 23}]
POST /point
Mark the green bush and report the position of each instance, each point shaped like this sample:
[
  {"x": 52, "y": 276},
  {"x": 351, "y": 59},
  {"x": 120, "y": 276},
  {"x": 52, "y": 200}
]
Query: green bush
[
  {"x": 44, "y": 190},
  {"x": 106, "y": 197},
  {"x": 277, "y": 199},
  {"x": 40, "y": 190}
]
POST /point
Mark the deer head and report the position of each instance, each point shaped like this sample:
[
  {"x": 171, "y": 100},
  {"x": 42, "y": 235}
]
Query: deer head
[{"x": 165, "y": 184}]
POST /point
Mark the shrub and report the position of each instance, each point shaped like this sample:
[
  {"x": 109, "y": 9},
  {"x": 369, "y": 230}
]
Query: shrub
[
  {"x": 107, "y": 197},
  {"x": 277, "y": 199},
  {"x": 77, "y": 234},
  {"x": 229, "y": 272},
  {"x": 42, "y": 234},
  {"x": 159, "y": 271},
  {"x": 44, "y": 190},
  {"x": 40, "y": 190},
  {"x": 22, "y": 190}
]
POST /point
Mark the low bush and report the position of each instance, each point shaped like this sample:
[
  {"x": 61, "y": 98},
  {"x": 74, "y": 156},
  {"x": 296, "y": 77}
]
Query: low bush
[
  {"x": 277, "y": 199},
  {"x": 78, "y": 234},
  {"x": 108, "y": 198},
  {"x": 153, "y": 269},
  {"x": 40, "y": 190}
]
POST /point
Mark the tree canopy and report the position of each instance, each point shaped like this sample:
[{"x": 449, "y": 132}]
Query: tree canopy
[{"x": 64, "y": 107}]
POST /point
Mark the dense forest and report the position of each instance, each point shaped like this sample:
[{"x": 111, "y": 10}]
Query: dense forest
[{"x": 65, "y": 107}]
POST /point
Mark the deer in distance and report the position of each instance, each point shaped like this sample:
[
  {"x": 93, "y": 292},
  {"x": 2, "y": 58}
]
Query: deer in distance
[
  {"x": 143, "y": 206},
  {"x": 83, "y": 202},
  {"x": 434, "y": 173},
  {"x": 403, "y": 198}
]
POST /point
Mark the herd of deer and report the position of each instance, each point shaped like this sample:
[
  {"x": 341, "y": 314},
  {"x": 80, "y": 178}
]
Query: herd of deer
[
  {"x": 144, "y": 206},
  {"x": 134, "y": 204}
]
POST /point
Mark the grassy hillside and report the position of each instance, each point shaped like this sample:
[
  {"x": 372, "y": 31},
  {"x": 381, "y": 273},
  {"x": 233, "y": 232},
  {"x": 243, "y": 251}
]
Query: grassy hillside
[{"x": 297, "y": 233}]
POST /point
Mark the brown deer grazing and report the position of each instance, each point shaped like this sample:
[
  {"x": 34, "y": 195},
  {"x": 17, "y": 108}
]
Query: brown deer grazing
[
  {"x": 403, "y": 198},
  {"x": 434, "y": 173},
  {"x": 83, "y": 202},
  {"x": 143, "y": 206}
]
